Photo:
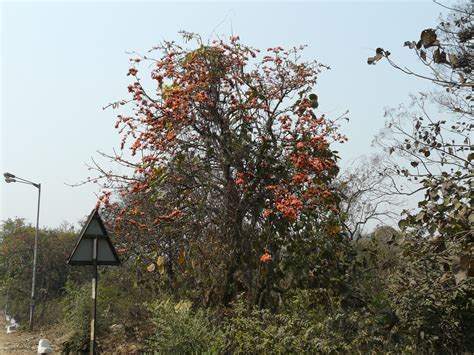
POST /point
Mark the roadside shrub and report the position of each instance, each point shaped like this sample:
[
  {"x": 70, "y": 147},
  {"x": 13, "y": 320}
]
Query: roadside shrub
[
  {"x": 121, "y": 311},
  {"x": 307, "y": 324},
  {"x": 260, "y": 331},
  {"x": 76, "y": 314},
  {"x": 179, "y": 330},
  {"x": 122, "y": 306},
  {"x": 48, "y": 313}
]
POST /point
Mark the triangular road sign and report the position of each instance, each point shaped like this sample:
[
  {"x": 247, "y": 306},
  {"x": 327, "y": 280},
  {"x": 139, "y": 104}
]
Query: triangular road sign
[{"x": 83, "y": 251}]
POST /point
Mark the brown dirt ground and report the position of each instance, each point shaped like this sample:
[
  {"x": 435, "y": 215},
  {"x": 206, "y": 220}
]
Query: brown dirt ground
[{"x": 25, "y": 342}]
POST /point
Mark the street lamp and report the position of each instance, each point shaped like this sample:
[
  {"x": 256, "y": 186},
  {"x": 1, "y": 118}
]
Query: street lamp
[{"x": 9, "y": 178}]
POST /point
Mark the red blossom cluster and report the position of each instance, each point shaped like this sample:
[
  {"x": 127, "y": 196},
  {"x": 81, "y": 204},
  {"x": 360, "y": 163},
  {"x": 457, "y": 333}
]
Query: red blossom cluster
[
  {"x": 243, "y": 179},
  {"x": 266, "y": 256},
  {"x": 288, "y": 205},
  {"x": 208, "y": 96},
  {"x": 172, "y": 216}
]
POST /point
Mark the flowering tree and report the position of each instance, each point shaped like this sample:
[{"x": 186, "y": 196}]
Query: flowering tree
[{"x": 229, "y": 159}]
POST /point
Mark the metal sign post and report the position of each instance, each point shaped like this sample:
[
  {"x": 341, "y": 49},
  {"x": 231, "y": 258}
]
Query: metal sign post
[
  {"x": 94, "y": 247},
  {"x": 94, "y": 295}
]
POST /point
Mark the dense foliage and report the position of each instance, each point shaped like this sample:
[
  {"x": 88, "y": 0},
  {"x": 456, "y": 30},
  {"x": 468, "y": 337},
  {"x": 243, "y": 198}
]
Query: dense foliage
[
  {"x": 16, "y": 264},
  {"x": 233, "y": 169}
]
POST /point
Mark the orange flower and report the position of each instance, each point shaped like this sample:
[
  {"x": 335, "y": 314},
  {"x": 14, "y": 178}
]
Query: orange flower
[
  {"x": 170, "y": 216},
  {"x": 170, "y": 136},
  {"x": 242, "y": 177},
  {"x": 299, "y": 178},
  {"x": 266, "y": 257},
  {"x": 333, "y": 208},
  {"x": 326, "y": 194},
  {"x": 132, "y": 71}
]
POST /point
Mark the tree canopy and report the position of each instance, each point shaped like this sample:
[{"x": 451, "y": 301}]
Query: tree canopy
[{"x": 228, "y": 155}]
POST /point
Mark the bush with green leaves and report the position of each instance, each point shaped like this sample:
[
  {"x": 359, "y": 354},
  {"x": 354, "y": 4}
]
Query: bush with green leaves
[
  {"x": 434, "y": 307},
  {"x": 76, "y": 308},
  {"x": 402, "y": 298},
  {"x": 16, "y": 266},
  {"x": 304, "y": 325},
  {"x": 178, "y": 329},
  {"x": 428, "y": 307},
  {"x": 120, "y": 303}
]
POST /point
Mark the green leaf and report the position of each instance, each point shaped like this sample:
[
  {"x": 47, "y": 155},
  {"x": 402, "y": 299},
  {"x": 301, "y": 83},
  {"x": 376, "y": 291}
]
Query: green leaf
[
  {"x": 420, "y": 216},
  {"x": 402, "y": 224},
  {"x": 423, "y": 54},
  {"x": 314, "y": 100},
  {"x": 160, "y": 262},
  {"x": 439, "y": 57},
  {"x": 454, "y": 61},
  {"x": 183, "y": 306},
  {"x": 379, "y": 54},
  {"x": 428, "y": 38},
  {"x": 463, "y": 266}
]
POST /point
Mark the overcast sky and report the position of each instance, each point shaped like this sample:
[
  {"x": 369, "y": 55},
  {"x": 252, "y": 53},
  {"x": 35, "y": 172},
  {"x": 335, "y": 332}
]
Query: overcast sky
[{"x": 61, "y": 62}]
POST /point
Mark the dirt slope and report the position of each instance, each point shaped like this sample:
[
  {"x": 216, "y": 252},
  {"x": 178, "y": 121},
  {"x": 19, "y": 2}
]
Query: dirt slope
[{"x": 20, "y": 342}]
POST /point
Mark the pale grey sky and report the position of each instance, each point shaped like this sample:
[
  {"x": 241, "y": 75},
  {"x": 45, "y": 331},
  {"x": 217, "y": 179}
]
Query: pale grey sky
[{"x": 61, "y": 62}]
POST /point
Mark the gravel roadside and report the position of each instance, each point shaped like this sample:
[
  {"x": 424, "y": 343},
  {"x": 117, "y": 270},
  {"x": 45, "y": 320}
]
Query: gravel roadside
[{"x": 19, "y": 342}]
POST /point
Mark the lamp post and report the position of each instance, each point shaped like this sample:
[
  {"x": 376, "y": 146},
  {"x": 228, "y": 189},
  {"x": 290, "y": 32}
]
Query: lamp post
[{"x": 12, "y": 178}]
